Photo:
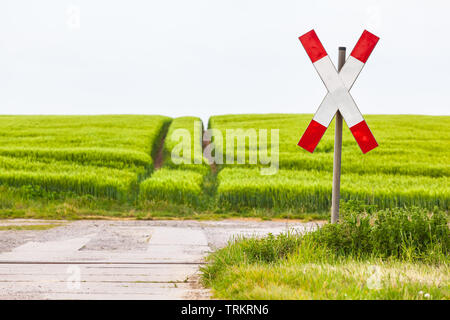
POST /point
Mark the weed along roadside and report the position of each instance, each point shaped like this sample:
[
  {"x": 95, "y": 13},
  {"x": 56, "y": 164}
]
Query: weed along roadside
[{"x": 389, "y": 254}]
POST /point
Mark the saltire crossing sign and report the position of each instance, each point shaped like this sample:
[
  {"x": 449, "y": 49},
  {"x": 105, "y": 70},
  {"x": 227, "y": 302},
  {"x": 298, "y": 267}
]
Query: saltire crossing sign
[{"x": 338, "y": 97}]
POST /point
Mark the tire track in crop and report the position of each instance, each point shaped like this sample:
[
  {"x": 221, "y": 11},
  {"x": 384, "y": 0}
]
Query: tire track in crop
[
  {"x": 159, "y": 155},
  {"x": 210, "y": 159},
  {"x": 210, "y": 180},
  {"x": 159, "y": 158}
]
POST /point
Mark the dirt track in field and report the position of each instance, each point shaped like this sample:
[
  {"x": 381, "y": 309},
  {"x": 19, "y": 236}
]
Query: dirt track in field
[{"x": 159, "y": 158}]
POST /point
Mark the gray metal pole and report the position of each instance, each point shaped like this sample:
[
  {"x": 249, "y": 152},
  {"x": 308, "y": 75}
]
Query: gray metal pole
[{"x": 336, "y": 193}]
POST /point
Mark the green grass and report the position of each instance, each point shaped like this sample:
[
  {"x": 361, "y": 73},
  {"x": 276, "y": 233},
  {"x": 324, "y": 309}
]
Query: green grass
[
  {"x": 29, "y": 227},
  {"x": 344, "y": 279},
  {"x": 384, "y": 255}
]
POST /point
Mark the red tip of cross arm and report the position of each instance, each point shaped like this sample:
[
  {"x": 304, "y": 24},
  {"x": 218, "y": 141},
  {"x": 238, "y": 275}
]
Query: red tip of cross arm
[
  {"x": 313, "y": 46},
  {"x": 364, "y": 136},
  {"x": 312, "y": 136},
  {"x": 364, "y": 46}
]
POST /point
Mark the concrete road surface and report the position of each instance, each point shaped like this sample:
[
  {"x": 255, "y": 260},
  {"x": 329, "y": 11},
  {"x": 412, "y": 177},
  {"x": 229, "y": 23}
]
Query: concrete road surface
[{"x": 116, "y": 259}]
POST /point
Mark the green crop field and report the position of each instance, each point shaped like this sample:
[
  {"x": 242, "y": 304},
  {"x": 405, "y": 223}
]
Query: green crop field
[
  {"x": 411, "y": 166},
  {"x": 408, "y": 145},
  {"x": 311, "y": 190},
  {"x": 105, "y": 165},
  {"x": 104, "y": 156}
]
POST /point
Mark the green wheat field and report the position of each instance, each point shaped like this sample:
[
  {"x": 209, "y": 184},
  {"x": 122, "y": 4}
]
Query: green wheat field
[{"x": 75, "y": 166}]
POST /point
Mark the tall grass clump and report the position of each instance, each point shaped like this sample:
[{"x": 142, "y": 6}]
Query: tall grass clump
[
  {"x": 413, "y": 235},
  {"x": 370, "y": 254},
  {"x": 406, "y": 234}
]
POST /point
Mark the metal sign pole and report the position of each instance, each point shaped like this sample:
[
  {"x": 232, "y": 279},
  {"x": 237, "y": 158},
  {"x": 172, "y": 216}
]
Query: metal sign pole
[{"x": 336, "y": 192}]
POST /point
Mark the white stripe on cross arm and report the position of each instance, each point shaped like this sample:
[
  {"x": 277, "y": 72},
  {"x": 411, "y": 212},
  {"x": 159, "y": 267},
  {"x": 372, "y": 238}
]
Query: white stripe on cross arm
[
  {"x": 349, "y": 73},
  {"x": 339, "y": 93}
]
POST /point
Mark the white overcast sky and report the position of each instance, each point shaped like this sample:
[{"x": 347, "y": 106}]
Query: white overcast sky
[{"x": 207, "y": 57}]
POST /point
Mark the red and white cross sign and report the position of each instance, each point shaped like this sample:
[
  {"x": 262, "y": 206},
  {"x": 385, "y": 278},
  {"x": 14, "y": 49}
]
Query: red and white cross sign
[{"x": 338, "y": 96}]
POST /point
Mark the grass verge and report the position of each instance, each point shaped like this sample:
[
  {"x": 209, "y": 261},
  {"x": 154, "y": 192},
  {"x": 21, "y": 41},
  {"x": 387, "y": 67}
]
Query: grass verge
[
  {"x": 38, "y": 204},
  {"x": 344, "y": 261},
  {"x": 29, "y": 227}
]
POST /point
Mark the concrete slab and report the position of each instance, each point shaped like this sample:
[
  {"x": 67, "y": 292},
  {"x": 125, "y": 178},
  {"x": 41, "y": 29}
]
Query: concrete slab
[
  {"x": 121, "y": 289},
  {"x": 47, "y": 250},
  {"x": 93, "y": 273},
  {"x": 178, "y": 236}
]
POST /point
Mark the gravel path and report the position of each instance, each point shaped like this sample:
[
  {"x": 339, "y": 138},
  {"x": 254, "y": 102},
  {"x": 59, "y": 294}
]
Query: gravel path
[{"x": 90, "y": 259}]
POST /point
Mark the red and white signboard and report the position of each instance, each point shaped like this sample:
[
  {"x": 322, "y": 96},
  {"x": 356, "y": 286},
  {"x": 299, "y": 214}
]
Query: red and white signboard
[{"x": 338, "y": 96}]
